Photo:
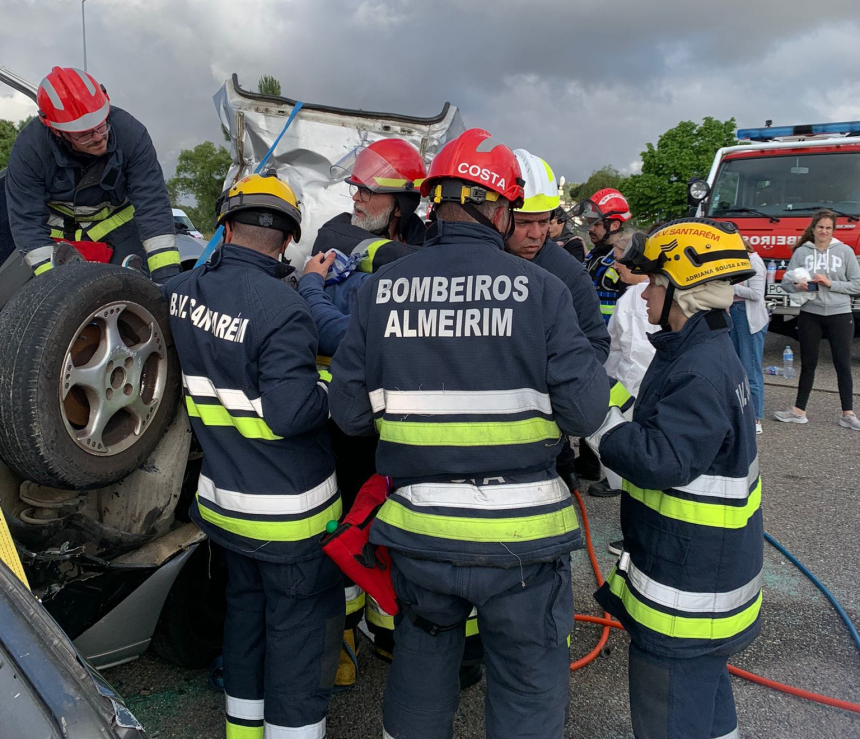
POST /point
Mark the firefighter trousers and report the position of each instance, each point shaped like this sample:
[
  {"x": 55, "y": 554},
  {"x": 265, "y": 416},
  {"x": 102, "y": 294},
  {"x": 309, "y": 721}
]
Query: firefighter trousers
[
  {"x": 282, "y": 639},
  {"x": 672, "y": 698},
  {"x": 525, "y": 616}
]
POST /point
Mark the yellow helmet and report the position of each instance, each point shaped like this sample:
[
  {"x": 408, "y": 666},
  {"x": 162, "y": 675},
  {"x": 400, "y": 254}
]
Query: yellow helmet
[
  {"x": 263, "y": 200},
  {"x": 540, "y": 193},
  {"x": 690, "y": 252}
]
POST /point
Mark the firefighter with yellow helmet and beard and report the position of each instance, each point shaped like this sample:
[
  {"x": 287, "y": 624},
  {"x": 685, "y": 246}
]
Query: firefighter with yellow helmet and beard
[
  {"x": 687, "y": 586},
  {"x": 247, "y": 345}
]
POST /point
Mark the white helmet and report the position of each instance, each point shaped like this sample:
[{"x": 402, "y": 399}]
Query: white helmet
[{"x": 541, "y": 188}]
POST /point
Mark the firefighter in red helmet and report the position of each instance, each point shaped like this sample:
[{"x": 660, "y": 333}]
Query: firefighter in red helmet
[{"x": 85, "y": 171}]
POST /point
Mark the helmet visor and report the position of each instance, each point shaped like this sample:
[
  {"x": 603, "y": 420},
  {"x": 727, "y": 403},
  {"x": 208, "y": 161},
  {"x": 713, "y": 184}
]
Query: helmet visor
[
  {"x": 364, "y": 168},
  {"x": 587, "y": 211},
  {"x": 633, "y": 255}
]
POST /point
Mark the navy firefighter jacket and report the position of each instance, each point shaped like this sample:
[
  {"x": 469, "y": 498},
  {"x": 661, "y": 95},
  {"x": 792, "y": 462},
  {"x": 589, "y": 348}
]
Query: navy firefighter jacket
[
  {"x": 247, "y": 346},
  {"x": 585, "y": 301},
  {"x": 470, "y": 364},
  {"x": 689, "y": 579}
]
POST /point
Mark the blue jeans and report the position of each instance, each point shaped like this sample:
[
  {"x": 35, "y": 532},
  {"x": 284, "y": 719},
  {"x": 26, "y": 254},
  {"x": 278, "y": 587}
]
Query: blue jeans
[{"x": 750, "y": 348}]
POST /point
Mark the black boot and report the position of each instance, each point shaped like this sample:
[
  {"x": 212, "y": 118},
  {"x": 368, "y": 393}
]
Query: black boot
[{"x": 602, "y": 490}]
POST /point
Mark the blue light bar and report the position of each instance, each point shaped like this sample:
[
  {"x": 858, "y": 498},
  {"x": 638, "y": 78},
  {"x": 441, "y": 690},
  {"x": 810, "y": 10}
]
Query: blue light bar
[{"x": 814, "y": 129}]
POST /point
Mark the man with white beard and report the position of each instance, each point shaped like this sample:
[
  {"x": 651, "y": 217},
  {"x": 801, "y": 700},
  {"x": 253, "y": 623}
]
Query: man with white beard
[{"x": 383, "y": 180}]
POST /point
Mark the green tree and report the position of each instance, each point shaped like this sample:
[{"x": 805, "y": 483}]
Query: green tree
[
  {"x": 200, "y": 173},
  {"x": 685, "y": 151},
  {"x": 268, "y": 85},
  {"x": 604, "y": 177},
  {"x": 8, "y": 133}
]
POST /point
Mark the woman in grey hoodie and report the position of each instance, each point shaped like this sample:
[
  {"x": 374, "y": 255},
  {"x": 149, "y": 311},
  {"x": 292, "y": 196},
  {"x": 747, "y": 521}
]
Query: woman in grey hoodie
[{"x": 826, "y": 314}]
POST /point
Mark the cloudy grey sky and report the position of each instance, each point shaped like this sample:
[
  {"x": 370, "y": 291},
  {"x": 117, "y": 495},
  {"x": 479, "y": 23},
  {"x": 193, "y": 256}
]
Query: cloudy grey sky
[{"x": 581, "y": 83}]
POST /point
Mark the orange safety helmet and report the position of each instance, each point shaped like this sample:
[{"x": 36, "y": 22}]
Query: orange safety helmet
[
  {"x": 71, "y": 101},
  {"x": 474, "y": 157}
]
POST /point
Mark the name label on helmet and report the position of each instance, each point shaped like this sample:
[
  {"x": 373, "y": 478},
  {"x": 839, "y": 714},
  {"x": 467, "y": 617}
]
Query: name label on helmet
[
  {"x": 711, "y": 234},
  {"x": 482, "y": 173}
]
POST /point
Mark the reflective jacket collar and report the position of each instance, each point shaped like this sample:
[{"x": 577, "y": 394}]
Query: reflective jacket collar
[
  {"x": 235, "y": 254},
  {"x": 457, "y": 232},
  {"x": 701, "y": 327}
]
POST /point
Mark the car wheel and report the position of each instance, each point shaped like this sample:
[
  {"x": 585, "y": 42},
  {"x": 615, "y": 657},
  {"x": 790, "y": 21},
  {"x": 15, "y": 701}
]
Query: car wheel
[{"x": 89, "y": 379}]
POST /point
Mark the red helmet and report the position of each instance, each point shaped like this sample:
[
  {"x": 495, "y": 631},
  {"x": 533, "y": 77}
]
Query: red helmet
[
  {"x": 476, "y": 157},
  {"x": 388, "y": 165},
  {"x": 611, "y": 205},
  {"x": 72, "y": 101}
]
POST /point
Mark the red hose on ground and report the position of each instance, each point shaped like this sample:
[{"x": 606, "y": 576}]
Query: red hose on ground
[{"x": 607, "y": 622}]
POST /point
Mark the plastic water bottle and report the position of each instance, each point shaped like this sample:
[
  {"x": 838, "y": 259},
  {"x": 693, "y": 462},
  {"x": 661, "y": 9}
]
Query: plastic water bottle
[
  {"x": 788, "y": 363},
  {"x": 771, "y": 272},
  {"x": 773, "y": 370}
]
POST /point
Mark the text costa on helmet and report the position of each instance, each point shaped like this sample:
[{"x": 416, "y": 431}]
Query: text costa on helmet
[{"x": 482, "y": 173}]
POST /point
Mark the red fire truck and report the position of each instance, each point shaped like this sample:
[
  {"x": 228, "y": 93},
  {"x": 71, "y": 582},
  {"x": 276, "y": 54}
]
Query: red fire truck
[{"x": 772, "y": 185}]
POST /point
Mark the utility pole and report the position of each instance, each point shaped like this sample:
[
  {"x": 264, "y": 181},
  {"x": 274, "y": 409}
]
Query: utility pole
[{"x": 84, "y": 25}]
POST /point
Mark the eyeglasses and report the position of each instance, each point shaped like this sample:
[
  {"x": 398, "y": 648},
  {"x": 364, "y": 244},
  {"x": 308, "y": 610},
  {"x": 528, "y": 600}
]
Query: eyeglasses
[
  {"x": 87, "y": 137},
  {"x": 364, "y": 193}
]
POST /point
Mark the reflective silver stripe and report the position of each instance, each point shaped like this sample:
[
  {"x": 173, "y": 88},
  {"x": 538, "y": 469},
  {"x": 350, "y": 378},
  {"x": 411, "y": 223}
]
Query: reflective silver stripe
[
  {"x": 156, "y": 243},
  {"x": 250, "y": 710},
  {"x": 731, "y": 735},
  {"x": 614, "y": 418},
  {"x": 353, "y": 592},
  {"x": 48, "y": 87},
  {"x": 37, "y": 256},
  {"x": 385, "y": 734},
  {"x": 485, "y": 497},
  {"x": 82, "y": 212},
  {"x": 86, "y": 80},
  {"x": 232, "y": 400},
  {"x": 284, "y": 505},
  {"x": 85, "y": 122},
  {"x": 714, "y": 486},
  {"x": 311, "y": 731},
  {"x": 473, "y": 613},
  {"x": 450, "y": 402},
  {"x": 688, "y": 601}
]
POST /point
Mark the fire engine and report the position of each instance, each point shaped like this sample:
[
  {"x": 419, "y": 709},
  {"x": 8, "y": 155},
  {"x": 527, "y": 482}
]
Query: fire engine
[{"x": 771, "y": 185}]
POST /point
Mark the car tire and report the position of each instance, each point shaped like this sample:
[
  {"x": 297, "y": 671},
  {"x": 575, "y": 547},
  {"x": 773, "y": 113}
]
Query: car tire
[
  {"x": 89, "y": 378},
  {"x": 190, "y": 629}
]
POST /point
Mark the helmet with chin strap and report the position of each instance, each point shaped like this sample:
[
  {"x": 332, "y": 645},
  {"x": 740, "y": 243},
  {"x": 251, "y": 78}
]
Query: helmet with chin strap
[
  {"x": 71, "y": 101},
  {"x": 604, "y": 206}
]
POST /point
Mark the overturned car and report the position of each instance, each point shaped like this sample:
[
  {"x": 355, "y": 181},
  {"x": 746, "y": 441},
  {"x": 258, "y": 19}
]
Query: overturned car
[{"x": 98, "y": 460}]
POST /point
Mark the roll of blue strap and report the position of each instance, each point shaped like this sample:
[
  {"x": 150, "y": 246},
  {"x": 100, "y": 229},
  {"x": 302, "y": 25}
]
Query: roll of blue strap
[{"x": 218, "y": 236}]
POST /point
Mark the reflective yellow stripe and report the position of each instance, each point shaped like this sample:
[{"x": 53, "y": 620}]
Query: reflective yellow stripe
[
  {"x": 9, "y": 554},
  {"x": 42, "y": 268},
  {"x": 612, "y": 274},
  {"x": 96, "y": 233},
  {"x": 218, "y": 415},
  {"x": 472, "y": 626},
  {"x": 380, "y": 619},
  {"x": 237, "y": 731},
  {"x": 273, "y": 530},
  {"x": 356, "y": 604},
  {"x": 702, "y": 514},
  {"x": 325, "y": 375},
  {"x": 682, "y": 627},
  {"x": 619, "y": 395},
  {"x": 607, "y": 310},
  {"x": 514, "y": 528},
  {"x": 366, "y": 264},
  {"x": 165, "y": 259},
  {"x": 56, "y": 233},
  {"x": 82, "y": 217},
  {"x": 467, "y": 434}
]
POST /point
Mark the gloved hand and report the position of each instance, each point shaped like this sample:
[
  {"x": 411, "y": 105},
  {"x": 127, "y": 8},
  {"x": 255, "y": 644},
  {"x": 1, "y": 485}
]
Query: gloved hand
[
  {"x": 620, "y": 404},
  {"x": 55, "y": 254}
]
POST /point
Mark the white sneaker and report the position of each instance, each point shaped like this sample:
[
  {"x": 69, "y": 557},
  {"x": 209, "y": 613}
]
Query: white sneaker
[
  {"x": 850, "y": 422},
  {"x": 790, "y": 416},
  {"x": 758, "y": 428}
]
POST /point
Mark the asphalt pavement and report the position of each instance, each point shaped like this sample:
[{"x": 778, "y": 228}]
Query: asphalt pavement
[{"x": 811, "y": 505}]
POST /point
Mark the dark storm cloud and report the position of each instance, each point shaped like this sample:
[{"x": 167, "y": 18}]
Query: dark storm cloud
[{"x": 581, "y": 83}]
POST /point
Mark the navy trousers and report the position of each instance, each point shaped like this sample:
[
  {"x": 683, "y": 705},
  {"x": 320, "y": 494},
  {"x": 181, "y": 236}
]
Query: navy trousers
[
  {"x": 282, "y": 639},
  {"x": 681, "y": 698},
  {"x": 525, "y": 616}
]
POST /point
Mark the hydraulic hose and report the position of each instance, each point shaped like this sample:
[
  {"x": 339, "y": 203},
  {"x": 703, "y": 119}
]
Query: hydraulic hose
[{"x": 609, "y": 623}]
